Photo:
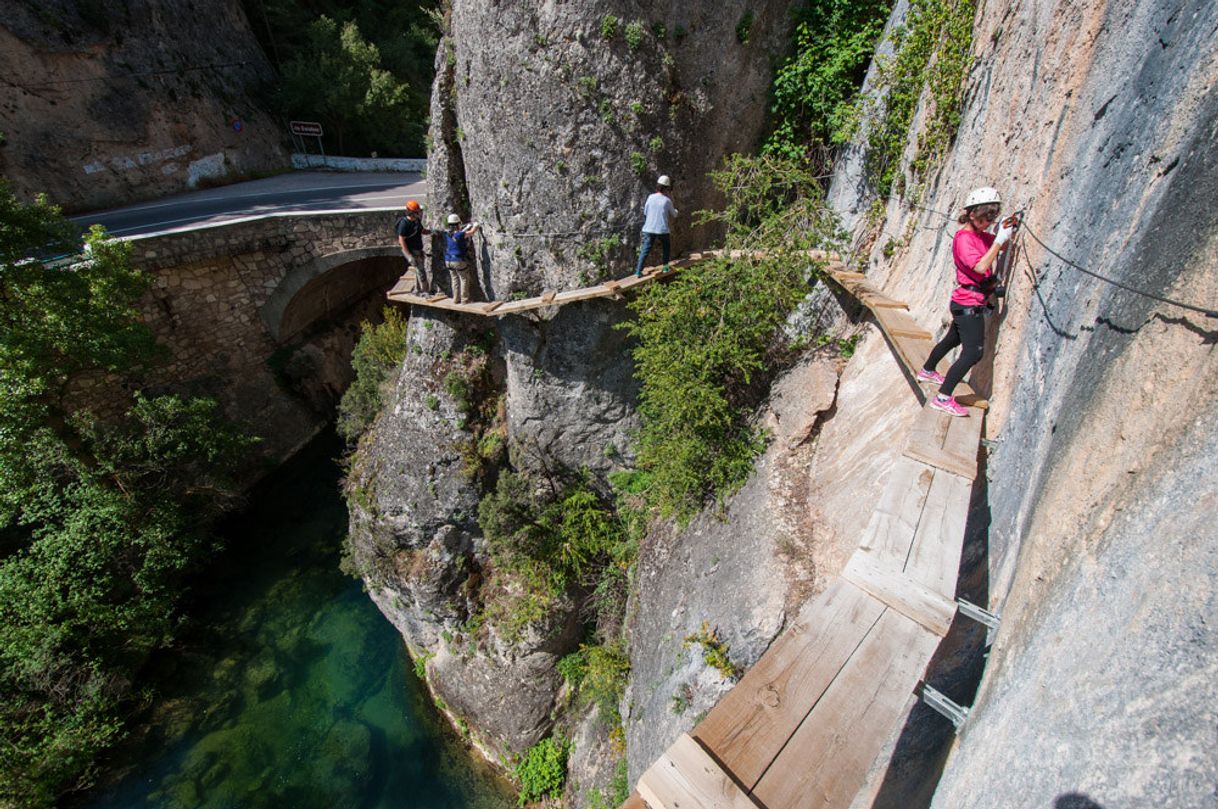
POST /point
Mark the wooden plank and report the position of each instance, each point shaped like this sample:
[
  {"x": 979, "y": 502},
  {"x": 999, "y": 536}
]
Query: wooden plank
[
  {"x": 492, "y": 306},
  {"x": 918, "y": 334},
  {"x": 635, "y": 801},
  {"x": 828, "y": 757},
  {"x": 439, "y": 296},
  {"x": 928, "y": 441},
  {"x": 754, "y": 720},
  {"x": 686, "y": 777},
  {"x": 548, "y": 296},
  {"x": 890, "y": 533},
  {"x": 891, "y": 585},
  {"x": 612, "y": 285},
  {"x": 934, "y": 559}
]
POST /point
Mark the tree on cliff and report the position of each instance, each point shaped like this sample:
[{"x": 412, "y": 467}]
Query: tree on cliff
[
  {"x": 99, "y": 521},
  {"x": 339, "y": 78}
]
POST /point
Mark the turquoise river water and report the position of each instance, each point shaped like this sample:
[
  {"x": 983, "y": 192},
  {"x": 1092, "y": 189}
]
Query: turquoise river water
[{"x": 289, "y": 688}]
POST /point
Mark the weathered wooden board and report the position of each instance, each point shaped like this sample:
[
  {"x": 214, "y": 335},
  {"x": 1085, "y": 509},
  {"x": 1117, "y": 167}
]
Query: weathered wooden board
[
  {"x": 890, "y": 533},
  {"x": 755, "y": 719},
  {"x": 895, "y": 588},
  {"x": 828, "y": 757},
  {"x": 934, "y": 559},
  {"x": 946, "y": 442},
  {"x": 685, "y": 777}
]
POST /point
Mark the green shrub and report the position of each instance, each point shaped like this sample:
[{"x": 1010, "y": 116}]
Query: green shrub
[
  {"x": 932, "y": 50},
  {"x": 655, "y": 144},
  {"x": 638, "y": 163},
  {"x": 604, "y": 683},
  {"x": 376, "y": 359},
  {"x": 714, "y": 651},
  {"x": 814, "y": 90},
  {"x": 745, "y": 27},
  {"x": 545, "y": 541},
  {"x": 634, "y": 35},
  {"x": 609, "y": 25},
  {"x": 574, "y": 667},
  {"x": 542, "y": 770},
  {"x": 706, "y": 340}
]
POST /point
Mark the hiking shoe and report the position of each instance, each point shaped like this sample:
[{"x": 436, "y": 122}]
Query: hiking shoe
[
  {"x": 930, "y": 376},
  {"x": 948, "y": 405},
  {"x": 638, "y": 274}
]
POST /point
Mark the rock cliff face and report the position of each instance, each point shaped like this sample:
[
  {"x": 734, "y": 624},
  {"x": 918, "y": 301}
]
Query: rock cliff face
[
  {"x": 1101, "y": 120},
  {"x": 113, "y": 101},
  {"x": 1095, "y": 536},
  {"x": 551, "y": 138}
]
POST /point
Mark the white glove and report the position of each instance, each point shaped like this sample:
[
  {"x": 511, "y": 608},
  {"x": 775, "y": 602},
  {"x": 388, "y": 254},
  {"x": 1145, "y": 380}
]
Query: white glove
[{"x": 1005, "y": 232}]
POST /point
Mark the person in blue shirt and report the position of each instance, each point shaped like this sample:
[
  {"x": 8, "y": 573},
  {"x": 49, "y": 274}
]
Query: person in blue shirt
[
  {"x": 659, "y": 213},
  {"x": 456, "y": 256}
]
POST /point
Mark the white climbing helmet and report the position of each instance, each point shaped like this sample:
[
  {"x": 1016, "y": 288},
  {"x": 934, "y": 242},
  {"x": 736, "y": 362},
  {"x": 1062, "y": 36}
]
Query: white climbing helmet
[
  {"x": 664, "y": 181},
  {"x": 453, "y": 219},
  {"x": 982, "y": 196}
]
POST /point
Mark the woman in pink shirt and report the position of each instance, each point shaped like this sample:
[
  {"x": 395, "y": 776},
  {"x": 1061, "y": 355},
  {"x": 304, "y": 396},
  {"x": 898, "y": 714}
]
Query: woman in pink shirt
[{"x": 974, "y": 251}]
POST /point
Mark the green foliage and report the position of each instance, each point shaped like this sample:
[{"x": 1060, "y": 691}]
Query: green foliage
[
  {"x": 634, "y": 35},
  {"x": 604, "y": 681},
  {"x": 638, "y": 163},
  {"x": 404, "y": 34},
  {"x": 92, "y": 586},
  {"x": 745, "y": 27},
  {"x": 609, "y": 26},
  {"x": 573, "y": 667},
  {"x": 705, "y": 340},
  {"x": 586, "y": 85},
  {"x": 420, "y": 664},
  {"x": 714, "y": 651},
  {"x": 337, "y": 78},
  {"x": 545, "y": 540},
  {"x": 815, "y": 88},
  {"x": 932, "y": 50},
  {"x": 655, "y": 144},
  {"x": 376, "y": 359},
  {"x": 601, "y": 251},
  {"x": 99, "y": 522},
  {"x": 542, "y": 770}
]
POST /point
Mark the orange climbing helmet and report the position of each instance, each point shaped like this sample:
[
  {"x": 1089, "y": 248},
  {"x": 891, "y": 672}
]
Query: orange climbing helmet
[{"x": 413, "y": 205}]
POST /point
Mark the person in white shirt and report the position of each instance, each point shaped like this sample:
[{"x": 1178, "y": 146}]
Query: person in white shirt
[{"x": 659, "y": 213}]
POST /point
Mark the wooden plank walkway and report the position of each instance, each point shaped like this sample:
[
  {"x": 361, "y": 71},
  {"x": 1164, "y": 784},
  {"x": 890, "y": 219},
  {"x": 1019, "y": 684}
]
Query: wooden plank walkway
[
  {"x": 806, "y": 723},
  {"x": 403, "y": 290}
]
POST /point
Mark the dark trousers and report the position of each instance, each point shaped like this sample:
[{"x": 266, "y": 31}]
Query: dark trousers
[
  {"x": 665, "y": 240},
  {"x": 967, "y": 330}
]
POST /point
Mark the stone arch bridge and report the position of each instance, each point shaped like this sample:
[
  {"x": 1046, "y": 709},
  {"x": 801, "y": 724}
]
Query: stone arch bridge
[{"x": 262, "y": 313}]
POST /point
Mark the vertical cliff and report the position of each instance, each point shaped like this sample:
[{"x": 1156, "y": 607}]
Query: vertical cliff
[
  {"x": 550, "y": 123},
  {"x": 1101, "y": 120},
  {"x": 112, "y": 101}
]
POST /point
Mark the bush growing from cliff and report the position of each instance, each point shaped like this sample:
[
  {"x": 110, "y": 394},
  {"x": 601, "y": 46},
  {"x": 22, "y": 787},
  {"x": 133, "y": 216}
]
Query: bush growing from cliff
[
  {"x": 542, "y": 770},
  {"x": 932, "y": 51},
  {"x": 815, "y": 88},
  {"x": 99, "y": 521},
  {"x": 707, "y": 340},
  {"x": 376, "y": 359}
]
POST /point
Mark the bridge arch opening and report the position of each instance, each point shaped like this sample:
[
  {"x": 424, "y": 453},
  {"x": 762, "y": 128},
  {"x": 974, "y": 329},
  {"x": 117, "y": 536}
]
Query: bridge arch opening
[{"x": 327, "y": 286}]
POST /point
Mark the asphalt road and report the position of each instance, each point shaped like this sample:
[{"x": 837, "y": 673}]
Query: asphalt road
[{"x": 294, "y": 191}]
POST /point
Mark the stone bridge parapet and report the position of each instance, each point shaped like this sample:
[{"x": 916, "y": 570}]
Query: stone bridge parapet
[{"x": 262, "y": 313}]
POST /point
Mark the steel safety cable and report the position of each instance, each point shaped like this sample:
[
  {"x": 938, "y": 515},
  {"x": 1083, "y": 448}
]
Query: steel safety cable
[{"x": 1023, "y": 224}]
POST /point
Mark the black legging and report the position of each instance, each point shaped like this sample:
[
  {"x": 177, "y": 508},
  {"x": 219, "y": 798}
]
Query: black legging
[{"x": 967, "y": 330}]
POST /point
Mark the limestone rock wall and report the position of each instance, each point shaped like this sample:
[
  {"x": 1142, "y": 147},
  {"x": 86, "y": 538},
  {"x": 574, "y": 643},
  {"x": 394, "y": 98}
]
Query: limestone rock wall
[
  {"x": 113, "y": 101},
  {"x": 1101, "y": 120},
  {"x": 550, "y": 134}
]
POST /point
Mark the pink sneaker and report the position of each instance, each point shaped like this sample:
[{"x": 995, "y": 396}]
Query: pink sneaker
[
  {"x": 930, "y": 376},
  {"x": 949, "y": 406}
]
